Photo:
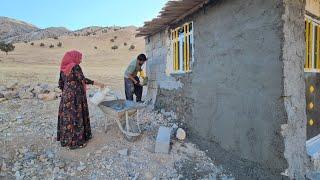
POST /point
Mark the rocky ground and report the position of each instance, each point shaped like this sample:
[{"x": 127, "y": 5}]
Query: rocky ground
[{"x": 28, "y": 117}]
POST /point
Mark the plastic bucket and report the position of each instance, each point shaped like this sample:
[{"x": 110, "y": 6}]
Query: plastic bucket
[{"x": 97, "y": 98}]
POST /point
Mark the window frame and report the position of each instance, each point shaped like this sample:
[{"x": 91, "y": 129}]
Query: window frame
[
  {"x": 312, "y": 53},
  {"x": 184, "y": 43}
]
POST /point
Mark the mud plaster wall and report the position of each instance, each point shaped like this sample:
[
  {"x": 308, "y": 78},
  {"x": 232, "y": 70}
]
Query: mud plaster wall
[
  {"x": 246, "y": 81},
  {"x": 238, "y": 79},
  {"x": 293, "y": 53}
]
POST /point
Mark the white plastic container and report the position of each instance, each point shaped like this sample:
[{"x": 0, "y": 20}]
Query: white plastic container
[{"x": 99, "y": 96}]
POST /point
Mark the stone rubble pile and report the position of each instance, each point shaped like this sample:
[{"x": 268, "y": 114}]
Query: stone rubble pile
[
  {"x": 41, "y": 91},
  {"x": 29, "y": 150}
]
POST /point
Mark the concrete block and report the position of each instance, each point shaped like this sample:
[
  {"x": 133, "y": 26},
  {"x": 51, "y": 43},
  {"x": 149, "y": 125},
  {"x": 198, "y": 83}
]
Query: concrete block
[
  {"x": 123, "y": 152},
  {"x": 163, "y": 140}
]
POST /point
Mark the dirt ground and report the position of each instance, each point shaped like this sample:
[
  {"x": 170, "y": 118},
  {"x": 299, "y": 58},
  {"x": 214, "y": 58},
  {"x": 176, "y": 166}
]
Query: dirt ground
[
  {"x": 28, "y": 126},
  {"x": 29, "y": 63},
  {"x": 29, "y": 149}
]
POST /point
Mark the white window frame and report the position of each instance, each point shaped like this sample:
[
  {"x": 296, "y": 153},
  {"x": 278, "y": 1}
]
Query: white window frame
[{"x": 181, "y": 60}]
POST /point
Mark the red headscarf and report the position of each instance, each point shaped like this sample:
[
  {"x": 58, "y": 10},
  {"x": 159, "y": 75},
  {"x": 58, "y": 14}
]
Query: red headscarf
[{"x": 70, "y": 59}]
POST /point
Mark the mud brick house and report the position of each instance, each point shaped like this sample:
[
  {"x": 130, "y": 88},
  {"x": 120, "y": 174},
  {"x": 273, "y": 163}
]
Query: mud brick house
[{"x": 243, "y": 75}]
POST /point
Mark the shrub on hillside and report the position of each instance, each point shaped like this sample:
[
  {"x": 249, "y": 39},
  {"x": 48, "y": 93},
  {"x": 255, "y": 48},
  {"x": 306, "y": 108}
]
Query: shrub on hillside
[
  {"x": 132, "y": 47},
  {"x": 42, "y": 44},
  {"x": 25, "y": 42},
  {"x": 114, "y": 47},
  {"x": 111, "y": 40},
  {"x": 51, "y": 46},
  {"x": 6, "y": 47},
  {"x": 55, "y": 37},
  {"x": 59, "y": 44},
  {"x": 125, "y": 44},
  {"x": 115, "y": 37},
  {"x": 32, "y": 44},
  {"x": 95, "y": 47}
]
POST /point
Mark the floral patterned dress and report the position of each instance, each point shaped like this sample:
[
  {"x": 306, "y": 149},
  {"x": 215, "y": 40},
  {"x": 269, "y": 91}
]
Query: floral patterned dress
[{"x": 73, "y": 119}]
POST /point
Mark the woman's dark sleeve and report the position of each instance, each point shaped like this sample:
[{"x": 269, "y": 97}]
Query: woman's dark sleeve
[
  {"x": 60, "y": 82},
  {"x": 79, "y": 74},
  {"x": 88, "y": 81}
]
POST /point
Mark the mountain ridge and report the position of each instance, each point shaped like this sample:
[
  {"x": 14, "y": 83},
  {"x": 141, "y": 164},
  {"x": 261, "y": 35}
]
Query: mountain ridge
[{"x": 15, "y": 31}]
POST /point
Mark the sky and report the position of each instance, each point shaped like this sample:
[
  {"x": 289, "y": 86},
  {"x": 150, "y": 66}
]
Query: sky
[{"x": 77, "y": 14}]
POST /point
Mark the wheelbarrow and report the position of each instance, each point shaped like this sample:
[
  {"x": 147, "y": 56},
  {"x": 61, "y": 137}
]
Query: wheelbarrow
[{"x": 125, "y": 114}]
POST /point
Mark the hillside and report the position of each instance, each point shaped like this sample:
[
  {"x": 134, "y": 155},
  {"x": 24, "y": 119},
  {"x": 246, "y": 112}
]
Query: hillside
[
  {"x": 32, "y": 63},
  {"x": 39, "y": 34},
  {"x": 15, "y": 31},
  {"x": 11, "y": 28}
]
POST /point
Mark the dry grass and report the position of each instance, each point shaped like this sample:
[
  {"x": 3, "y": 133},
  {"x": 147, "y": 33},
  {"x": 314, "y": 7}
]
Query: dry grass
[{"x": 32, "y": 64}]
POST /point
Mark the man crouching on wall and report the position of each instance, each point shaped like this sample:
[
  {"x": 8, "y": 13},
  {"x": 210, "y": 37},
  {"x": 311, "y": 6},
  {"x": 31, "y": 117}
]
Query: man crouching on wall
[{"x": 131, "y": 80}]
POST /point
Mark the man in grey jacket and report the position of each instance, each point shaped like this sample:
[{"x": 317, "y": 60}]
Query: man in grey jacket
[{"x": 131, "y": 80}]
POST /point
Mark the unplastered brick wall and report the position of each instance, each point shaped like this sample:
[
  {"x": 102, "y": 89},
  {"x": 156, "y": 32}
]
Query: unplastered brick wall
[
  {"x": 159, "y": 52},
  {"x": 167, "y": 89}
]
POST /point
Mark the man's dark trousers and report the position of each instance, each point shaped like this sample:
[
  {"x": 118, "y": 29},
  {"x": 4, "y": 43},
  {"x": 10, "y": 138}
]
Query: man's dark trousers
[{"x": 131, "y": 88}]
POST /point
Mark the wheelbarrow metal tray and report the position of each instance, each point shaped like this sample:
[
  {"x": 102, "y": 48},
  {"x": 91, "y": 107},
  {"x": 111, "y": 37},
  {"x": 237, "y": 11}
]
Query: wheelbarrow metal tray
[{"x": 117, "y": 108}]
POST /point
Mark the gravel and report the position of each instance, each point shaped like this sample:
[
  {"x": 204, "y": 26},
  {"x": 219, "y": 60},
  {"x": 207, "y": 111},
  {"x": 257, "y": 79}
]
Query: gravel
[{"x": 29, "y": 149}]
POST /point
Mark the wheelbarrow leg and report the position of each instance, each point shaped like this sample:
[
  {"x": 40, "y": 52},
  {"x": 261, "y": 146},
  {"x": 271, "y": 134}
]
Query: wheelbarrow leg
[
  {"x": 127, "y": 122},
  {"x": 106, "y": 124},
  {"x": 138, "y": 121}
]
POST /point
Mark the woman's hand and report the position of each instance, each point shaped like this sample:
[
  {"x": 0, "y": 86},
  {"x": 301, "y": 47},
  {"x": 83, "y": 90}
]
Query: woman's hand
[{"x": 99, "y": 85}]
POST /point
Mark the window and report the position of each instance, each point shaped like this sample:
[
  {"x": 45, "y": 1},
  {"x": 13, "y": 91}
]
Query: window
[
  {"x": 312, "y": 38},
  {"x": 182, "y": 40}
]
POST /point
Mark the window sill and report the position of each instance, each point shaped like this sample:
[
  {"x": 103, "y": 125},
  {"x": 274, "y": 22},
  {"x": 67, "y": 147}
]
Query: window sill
[
  {"x": 311, "y": 70},
  {"x": 181, "y": 72}
]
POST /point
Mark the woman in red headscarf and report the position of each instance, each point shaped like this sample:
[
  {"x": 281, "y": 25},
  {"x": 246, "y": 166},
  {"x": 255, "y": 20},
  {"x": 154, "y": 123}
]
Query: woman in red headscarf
[{"x": 73, "y": 119}]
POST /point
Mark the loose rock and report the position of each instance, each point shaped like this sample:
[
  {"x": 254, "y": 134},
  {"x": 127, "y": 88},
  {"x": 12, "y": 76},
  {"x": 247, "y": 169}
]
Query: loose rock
[
  {"x": 4, "y": 167},
  {"x": 123, "y": 152},
  {"x": 26, "y": 95},
  {"x": 39, "y": 156},
  {"x": 48, "y": 97},
  {"x": 12, "y": 85},
  {"x": 10, "y": 94},
  {"x": 81, "y": 167},
  {"x": 148, "y": 176},
  {"x": 181, "y": 134},
  {"x": 57, "y": 90},
  {"x": 37, "y": 90},
  {"x": 3, "y": 88}
]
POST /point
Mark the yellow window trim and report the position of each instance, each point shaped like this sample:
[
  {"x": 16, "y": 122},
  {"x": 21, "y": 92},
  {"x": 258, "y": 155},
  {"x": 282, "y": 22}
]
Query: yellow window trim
[
  {"x": 312, "y": 41},
  {"x": 185, "y": 59},
  {"x": 310, "y": 44},
  {"x": 307, "y": 44},
  {"x": 318, "y": 47}
]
